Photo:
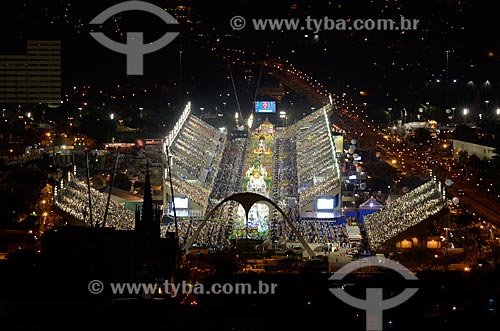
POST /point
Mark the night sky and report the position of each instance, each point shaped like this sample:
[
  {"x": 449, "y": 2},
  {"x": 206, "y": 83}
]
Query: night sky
[{"x": 388, "y": 64}]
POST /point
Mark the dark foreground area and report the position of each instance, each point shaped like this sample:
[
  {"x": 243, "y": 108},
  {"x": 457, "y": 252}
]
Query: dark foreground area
[{"x": 444, "y": 301}]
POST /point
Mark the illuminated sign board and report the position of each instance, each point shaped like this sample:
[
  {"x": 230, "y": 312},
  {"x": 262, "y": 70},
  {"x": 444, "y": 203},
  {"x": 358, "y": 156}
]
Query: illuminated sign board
[
  {"x": 181, "y": 203},
  {"x": 265, "y": 106},
  {"x": 325, "y": 204}
]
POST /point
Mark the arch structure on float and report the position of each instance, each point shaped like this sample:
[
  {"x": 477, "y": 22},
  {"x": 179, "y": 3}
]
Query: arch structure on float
[{"x": 247, "y": 200}]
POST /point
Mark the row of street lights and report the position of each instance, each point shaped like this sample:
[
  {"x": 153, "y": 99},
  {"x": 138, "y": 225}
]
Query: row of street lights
[
  {"x": 465, "y": 112},
  {"x": 449, "y": 111},
  {"x": 283, "y": 116}
]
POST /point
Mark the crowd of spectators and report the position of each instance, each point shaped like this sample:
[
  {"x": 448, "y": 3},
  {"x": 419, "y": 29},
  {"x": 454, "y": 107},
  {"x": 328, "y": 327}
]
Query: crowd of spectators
[
  {"x": 214, "y": 234},
  {"x": 403, "y": 213},
  {"x": 308, "y": 146},
  {"x": 314, "y": 155},
  {"x": 72, "y": 198},
  {"x": 218, "y": 230},
  {"x": 313, "y": 231},
  {"x": 196, "y": 154},
  {"x": 230, "y": 175},
  {"x": 285, "y": 184}
]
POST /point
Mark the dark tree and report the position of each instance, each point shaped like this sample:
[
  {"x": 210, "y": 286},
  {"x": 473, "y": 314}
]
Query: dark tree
[
  {"x": 464, "y": 132},
  {"x": 122, "y": 182},
  {"x": 465, "y": 219},
  {"x": 422, "y": 136},
  {"x": 98, "y": 127}
]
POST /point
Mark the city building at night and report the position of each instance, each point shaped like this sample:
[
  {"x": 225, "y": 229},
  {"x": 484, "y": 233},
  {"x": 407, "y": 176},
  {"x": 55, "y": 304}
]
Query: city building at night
[{"x": 33, "y": 77}]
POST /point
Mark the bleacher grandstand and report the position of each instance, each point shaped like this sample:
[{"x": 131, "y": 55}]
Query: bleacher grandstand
[
  {"x": 295, "y": 167},
  {"x": 315, "y": 163},
  {"x": 196, "y": 150},
  {"x": 72, "y": 199},
  {"x": 403, "y": 214},
  {"x": 298, "y": 164}
]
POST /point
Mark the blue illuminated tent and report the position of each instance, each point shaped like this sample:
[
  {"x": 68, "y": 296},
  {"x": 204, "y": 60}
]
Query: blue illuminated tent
[{"x": 368, "y": 207}]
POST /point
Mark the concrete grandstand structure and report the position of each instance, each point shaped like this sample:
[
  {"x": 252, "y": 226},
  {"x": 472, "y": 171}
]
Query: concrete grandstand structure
[
  {"x": 317, "y": 167},
  {"x": 296, "y": 168},
  {"x": 194, "y": 150},
  {"x": 407, "y": 217}
]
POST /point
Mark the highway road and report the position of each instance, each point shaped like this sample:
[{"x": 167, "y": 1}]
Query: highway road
[{"x": 482, "y": 206}]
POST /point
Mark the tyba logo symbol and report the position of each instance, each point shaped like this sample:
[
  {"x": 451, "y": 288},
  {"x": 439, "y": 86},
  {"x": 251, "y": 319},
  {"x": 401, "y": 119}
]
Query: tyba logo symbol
[
  {"x": 374, "y": 303},
  {"x": 135, "y": 48}
]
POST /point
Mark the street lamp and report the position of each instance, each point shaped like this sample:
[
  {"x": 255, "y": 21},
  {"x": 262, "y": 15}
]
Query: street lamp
[
  {"x": 283, "y": 116},
  {"x": 250, "y": 122},
  {"x": 465, "y": 112},
  {"x": 403, "y": 115}
]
